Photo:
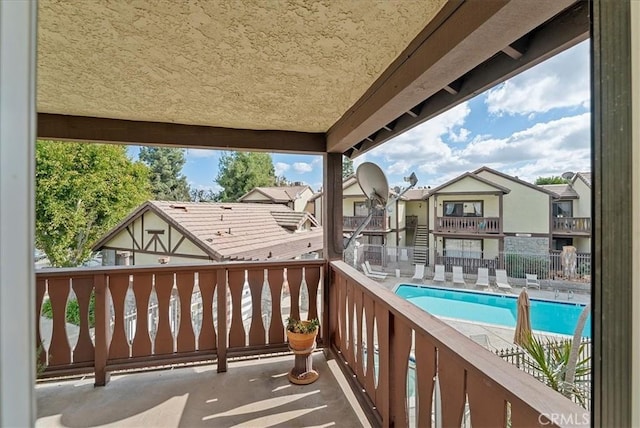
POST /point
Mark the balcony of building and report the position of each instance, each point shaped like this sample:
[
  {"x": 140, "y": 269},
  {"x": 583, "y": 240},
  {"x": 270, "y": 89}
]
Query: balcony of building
[
  {"x": 468, "y": 225},
  {"x": 571, "y": 226},
  {"x": 385, "y": 361},
  {"x": 378, "y": 223}
]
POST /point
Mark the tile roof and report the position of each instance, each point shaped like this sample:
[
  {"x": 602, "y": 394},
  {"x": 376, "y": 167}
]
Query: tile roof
[
  {"x": 293, "y": 220},
  {"x": 562, "y": 191},
  {"x": 278, "y": 194},
  {"x": 230, "y": 231},
  {"x": 416, "y": 194}
]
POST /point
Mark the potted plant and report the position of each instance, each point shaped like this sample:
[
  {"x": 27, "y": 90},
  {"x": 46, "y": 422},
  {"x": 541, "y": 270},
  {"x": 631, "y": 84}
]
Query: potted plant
[{"x": 302, "y": 334}]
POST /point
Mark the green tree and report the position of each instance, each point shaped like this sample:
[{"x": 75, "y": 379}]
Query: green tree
[
  {"x": 167, "y": 181},
  {"x": 550, "y": 180},
  {"x": 82, "y": 190},
  {"x": 202, "y": 195},
  {"x": 347, "y": 167},
  {"x": 239, "y": 172}
]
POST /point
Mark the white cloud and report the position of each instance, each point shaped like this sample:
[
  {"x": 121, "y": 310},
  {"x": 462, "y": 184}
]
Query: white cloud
[
  {"x": 423, "y": 148},
  {"x": 302, "y": 167},
  {"x": 280, "y": 168},
  {"x": 560, "y": 82},
  {"x": 201, "y": 153}
]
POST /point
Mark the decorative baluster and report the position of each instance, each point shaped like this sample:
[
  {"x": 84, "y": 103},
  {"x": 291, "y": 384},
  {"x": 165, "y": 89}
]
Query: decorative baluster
[
  {"x": 207, "y": 283},
  {"x": 256, "y": 330},
  {"x": 399, "y": 355},
  {"x": 41, "y": 288},
  {"x": 186, "y": 338},
  {"x": 142, "y": 286},
  {"x": 236, "y": 332},
  {"x": 276, "y": 328},
  {"x": 294, "y": 278},
  {"x": 59, "y": 350},
  {"x": 83, "y": 288},
  {"x": 486, "y": 402},
  {"x": 164, "y": 337},
  {"x": 369, "y": 380},
  {"x": 452, "y": 388},
  {"x": 425, "y": 373},
  {"x": 312, "y": 278},
  {"x": 118, "y": 286}
]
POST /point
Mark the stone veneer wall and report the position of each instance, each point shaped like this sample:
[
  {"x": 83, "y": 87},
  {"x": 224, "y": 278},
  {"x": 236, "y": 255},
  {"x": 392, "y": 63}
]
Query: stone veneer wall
[{"x": 516, "y": 244}]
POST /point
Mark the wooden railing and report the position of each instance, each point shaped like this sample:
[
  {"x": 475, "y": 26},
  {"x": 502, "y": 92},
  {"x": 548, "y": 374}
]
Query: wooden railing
[
  {"x": 376, "y": 223},
  {"x": 468, "y": 224},
  {"x": 381, "y": 338},
  {"x": 578, "y": 225},
  {"x": 222, "y": 330}
]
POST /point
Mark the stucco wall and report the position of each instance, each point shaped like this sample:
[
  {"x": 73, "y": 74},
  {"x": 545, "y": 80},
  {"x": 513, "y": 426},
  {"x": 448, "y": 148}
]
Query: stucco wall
[
  {"x": 582, "y": 206},
  {"x": 419, "y": 209},
  {"x": 525, "y": 210}
]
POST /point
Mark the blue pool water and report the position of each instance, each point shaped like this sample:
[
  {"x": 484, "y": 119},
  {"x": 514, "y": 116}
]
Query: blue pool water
[{"x": 553, "y": 317}]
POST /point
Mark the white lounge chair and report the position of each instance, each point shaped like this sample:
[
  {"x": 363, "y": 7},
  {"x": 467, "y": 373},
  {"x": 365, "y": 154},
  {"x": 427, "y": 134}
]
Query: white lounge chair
[
  {"x": 419, "y": 273},
  {"x": 502, "y": 282},
  {"x": 366, "y": 271},
  {"x": 439, "y": 273},
  {"x": 458, "y": 277},
  {"x": 375, "y": 272},
  {"x": 483, "y": 277},
  {"x": 532, "y": 281}
]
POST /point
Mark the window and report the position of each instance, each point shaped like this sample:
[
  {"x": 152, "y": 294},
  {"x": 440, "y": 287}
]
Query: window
[
  {"x": 463, "y": 209},
  {"x": 563, "y": 209},
  {"x": 469, "y": 248},
  {"x": 360, "y": 209}
]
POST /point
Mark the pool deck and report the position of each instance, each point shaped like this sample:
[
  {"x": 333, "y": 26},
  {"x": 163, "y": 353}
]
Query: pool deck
[{"x": 494, "y": 337}]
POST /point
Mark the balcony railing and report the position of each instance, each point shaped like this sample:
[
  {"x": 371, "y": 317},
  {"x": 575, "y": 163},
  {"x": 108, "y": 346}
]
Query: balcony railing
[
  {"x": 572, "y": 225},
  {"x": 468, "y": 224},
  {"x": 376, "y": 223},
  {"x": 155, "y": 293},
  {"x": 393, "y": 352}
]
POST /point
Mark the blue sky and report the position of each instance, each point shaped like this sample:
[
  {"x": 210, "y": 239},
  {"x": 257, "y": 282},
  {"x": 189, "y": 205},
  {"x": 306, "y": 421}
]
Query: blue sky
[{"x": 535, "y": 124}]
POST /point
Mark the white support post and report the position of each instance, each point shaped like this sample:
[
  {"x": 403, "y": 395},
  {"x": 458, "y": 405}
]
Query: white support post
[{"x": 17, "y": 145}]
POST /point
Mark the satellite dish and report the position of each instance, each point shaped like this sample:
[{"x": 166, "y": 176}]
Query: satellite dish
[
  {"x": 373, "y": 183},
  {"x": 568, "y": 175}
]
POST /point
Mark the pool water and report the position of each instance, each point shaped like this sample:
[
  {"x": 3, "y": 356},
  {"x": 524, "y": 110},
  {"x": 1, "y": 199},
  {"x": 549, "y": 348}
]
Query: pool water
[{"x": 548, "y": 316}]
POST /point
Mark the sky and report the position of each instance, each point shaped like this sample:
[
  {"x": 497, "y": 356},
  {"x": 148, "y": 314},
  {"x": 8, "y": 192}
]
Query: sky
[{"x": 536, "y": 124}]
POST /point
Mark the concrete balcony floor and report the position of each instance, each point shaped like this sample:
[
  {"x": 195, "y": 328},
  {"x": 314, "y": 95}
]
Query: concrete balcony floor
[{"x": 252, "y": 393}]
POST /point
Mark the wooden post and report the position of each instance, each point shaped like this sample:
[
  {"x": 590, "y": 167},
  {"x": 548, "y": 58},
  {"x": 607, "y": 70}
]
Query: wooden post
[
  {"x": 613, "y": 287},
  {"x": 332, "y": 207},
  {"x": 222, "y": 320},
  {"x": 102, "y": 330}
]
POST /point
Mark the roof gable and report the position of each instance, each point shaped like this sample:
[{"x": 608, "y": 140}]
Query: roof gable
[
  {"x": 233, "y": 230},
  {"x": 474, "y": 184},
  {"x": 516, "y": 180}
]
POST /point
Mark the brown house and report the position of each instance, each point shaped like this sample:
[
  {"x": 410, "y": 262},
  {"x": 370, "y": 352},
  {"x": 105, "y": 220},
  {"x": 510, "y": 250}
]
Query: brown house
[{"x": 189, "y": 232}]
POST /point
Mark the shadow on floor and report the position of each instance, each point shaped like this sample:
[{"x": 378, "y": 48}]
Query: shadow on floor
[{"x": 251, "y": 393}]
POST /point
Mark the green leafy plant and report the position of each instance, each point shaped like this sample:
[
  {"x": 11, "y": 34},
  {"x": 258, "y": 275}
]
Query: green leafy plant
[
  {"x": 73, "y": 311},
  {"x": 303, "y": 327},
  {"x": 550, "y": 362},
  {"x": 40, "y": 365}
]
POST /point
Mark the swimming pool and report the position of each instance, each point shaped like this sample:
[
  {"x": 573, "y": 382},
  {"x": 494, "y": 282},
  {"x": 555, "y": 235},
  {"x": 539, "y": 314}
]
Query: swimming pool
[{"x": 553, "y": 317}]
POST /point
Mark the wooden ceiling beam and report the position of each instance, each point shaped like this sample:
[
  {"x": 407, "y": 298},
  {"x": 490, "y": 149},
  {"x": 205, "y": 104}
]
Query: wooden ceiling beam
[
  {"x": 462, "y": 36},
  {"x": 103, "y": 130},
  {"x": 564, "y": 31}
]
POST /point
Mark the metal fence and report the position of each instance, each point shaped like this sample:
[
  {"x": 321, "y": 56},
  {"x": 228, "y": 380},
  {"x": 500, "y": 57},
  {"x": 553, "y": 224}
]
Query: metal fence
[
  {"x": 547, "y": 266},
  {"x": 521, "y": 359},
  {"x": 385, "y": 258}
]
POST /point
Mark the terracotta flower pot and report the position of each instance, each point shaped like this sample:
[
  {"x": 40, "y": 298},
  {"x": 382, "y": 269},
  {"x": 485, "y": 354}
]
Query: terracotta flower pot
[{"x": 301, "y": 341}]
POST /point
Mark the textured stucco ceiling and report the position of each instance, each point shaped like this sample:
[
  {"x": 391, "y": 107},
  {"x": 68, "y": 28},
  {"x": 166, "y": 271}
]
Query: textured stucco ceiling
[{"x": 292, "y": 65}]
